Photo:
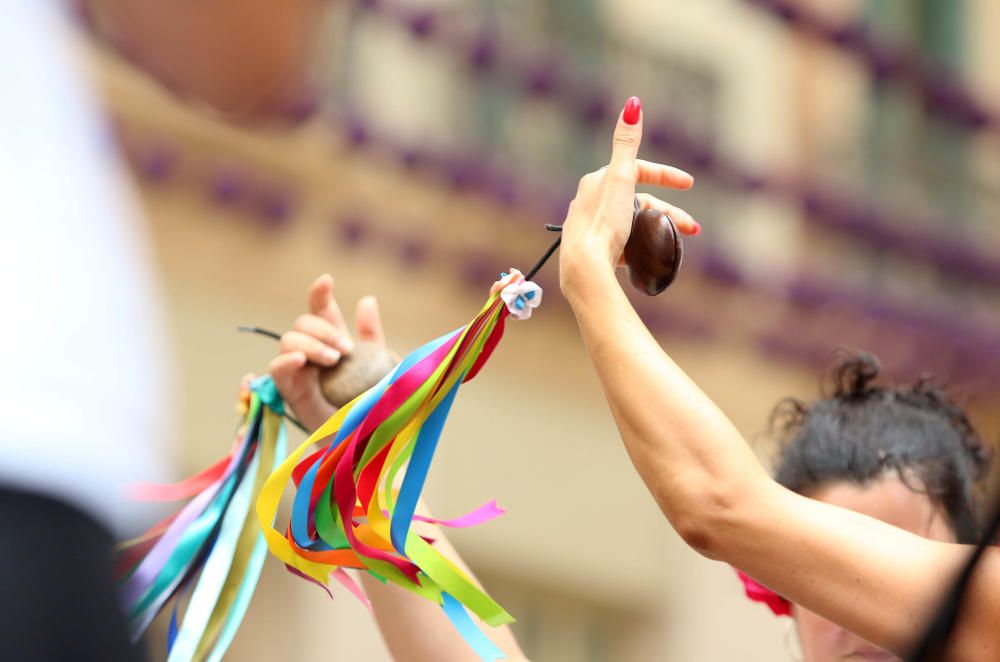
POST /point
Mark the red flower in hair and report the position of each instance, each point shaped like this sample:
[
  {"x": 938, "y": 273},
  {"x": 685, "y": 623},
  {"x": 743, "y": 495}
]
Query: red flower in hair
[{"x": 760, "y": 593}]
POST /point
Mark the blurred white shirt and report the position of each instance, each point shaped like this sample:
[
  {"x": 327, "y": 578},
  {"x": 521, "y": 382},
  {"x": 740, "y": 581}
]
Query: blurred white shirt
[{"x": 82, "y": 362}]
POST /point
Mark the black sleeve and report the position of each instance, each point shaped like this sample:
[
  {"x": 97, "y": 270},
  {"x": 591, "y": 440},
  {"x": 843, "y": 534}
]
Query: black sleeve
[{"x": 58, "y": 598}]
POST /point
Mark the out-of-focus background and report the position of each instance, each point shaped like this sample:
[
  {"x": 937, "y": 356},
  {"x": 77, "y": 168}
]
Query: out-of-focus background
[{"x": 847, "y": 157}]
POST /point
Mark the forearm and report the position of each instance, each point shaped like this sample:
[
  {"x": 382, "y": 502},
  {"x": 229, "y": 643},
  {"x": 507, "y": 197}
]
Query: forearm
[
  {"x": 692, "y": 459},
  {"x": 874, "y": 579}
]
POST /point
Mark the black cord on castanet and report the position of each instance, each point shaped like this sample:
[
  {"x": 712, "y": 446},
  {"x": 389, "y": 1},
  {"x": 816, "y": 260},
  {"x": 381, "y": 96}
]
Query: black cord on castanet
[
  {"x": 549, "y": 253},
  {"x": 258, "y": 330}
]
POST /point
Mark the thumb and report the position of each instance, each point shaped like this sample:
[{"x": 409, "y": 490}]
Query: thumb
[
  {"x": 369, "y": 321},
  {"x": 322, "y": 303}
]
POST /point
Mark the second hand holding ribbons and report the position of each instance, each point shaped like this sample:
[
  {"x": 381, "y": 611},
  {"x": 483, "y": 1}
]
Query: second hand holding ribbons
[{"x": 346, "y": 512}]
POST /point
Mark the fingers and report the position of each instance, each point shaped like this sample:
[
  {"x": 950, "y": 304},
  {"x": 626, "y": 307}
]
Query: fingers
[
  {"x": 368, "y": 321},
  {"x": 505, "y": 280},
  {"x": 324, "y": 331},
  {"x": 284, "y": 368},
  {"x": 298, "y": 382},
  {"x": 664, "y": 176},
  {"x": 322, "y": 303},
  {"x": 683, "y": 220},
  {"x": 314, "y": 350},
  {"x": 625, "y": 146}
]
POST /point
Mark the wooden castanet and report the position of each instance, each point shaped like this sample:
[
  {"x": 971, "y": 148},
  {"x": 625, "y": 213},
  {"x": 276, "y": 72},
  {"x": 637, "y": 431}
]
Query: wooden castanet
[
  {"x": 356, "y": 372},
  {"x": 654, "y": 252}
]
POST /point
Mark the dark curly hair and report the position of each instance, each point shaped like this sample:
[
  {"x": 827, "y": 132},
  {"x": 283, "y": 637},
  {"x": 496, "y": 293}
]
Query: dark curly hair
[{"x": 862, "y": 430}]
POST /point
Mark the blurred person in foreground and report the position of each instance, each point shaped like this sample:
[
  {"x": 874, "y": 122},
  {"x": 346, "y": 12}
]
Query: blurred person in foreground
[
  {"x": 84, "y": 368},
  {"x": 85, "y": 362}
]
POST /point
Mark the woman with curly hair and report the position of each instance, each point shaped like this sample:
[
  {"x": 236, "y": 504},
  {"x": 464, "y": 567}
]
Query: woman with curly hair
[{"x": 906, "y": 456}]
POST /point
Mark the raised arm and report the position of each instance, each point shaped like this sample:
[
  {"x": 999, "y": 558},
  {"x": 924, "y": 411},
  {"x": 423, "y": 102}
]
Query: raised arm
[
  {"x": 876, "y": 580},
  {"x": 414, "y": 629}
]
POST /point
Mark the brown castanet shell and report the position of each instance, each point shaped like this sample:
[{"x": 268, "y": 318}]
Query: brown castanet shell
[
  {"x": 356, "y": 373},
  {"x": 654, "y": 252}
]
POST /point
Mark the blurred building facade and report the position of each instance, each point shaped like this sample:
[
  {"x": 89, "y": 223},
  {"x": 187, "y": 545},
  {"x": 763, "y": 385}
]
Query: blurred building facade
[{"x": 450, "y": 130}]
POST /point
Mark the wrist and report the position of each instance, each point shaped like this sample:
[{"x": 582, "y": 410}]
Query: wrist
[
  {"x": 315, "y": 415},
  {"x": 312, "y": 424},
  {"x": 583, "y": 274}
]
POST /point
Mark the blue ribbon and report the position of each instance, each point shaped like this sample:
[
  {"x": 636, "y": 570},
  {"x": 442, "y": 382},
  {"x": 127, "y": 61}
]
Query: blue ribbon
[
  {"x": 480, "y": 643},
  {"x": 416, "y": 472}
]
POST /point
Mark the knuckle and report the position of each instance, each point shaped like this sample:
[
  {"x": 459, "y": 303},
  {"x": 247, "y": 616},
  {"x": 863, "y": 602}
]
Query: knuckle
[
  {"x": 287, "y": 342},
  {"x": 626, "y": 140},
  {"x": 589, "y": 180},
  {"x": 622, "y": 172}
]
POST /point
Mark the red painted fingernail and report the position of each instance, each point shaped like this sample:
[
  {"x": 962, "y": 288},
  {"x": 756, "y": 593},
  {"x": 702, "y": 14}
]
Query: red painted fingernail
[
  {"x": 697, "y": 229},
  {"x": 633, "y": 108}
]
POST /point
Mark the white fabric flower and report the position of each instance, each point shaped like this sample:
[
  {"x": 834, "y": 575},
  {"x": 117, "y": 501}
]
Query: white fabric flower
[{"x": 521, "y": 297}]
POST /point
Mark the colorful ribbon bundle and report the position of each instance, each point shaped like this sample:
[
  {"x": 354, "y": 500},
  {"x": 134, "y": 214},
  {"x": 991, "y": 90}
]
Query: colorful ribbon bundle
[
  {"x": 214, "y": 534},
  {"x": 346, "y": 513}
]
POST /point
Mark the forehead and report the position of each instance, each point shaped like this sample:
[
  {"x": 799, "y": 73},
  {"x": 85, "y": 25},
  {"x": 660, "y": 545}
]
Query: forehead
[{"x": 892, "y": 501}]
